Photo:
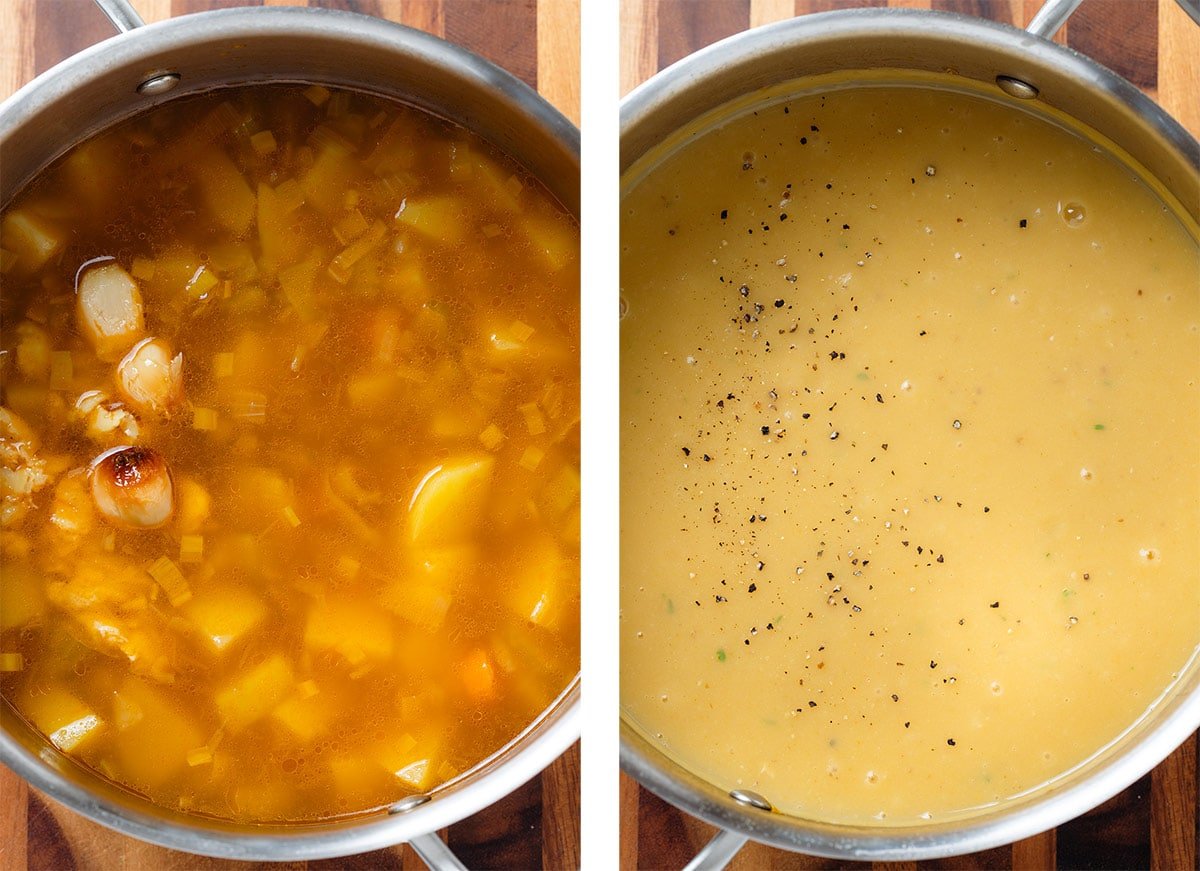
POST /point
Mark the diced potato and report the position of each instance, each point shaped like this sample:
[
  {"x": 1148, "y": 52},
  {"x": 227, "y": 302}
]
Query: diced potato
[
  {"x": 33, "y": 351},
  {"x": 531, "y": 458},
  {"x": 478, "y": 675},
  {"x": 544, "y": 583},
  {"x": 278, "y": 240},
  {"x": 306, "y": 716},
  {"x": 21, "y": 598},
  {"x": 439, "y": 218},
  {"x": 154, "y": 747},
  {"x": 89, "y": 170},
  {"x": 109, "y": 310},
  {"x": 358, "y": 781},
  {"x": 555, "y": 239},
  {"x": 561, "y": 493},
  {"x": 142, "y": 269},
  {"x": 296, "y": 281},
  {"x": 491, "y": 437},
  {"x": 317, "y": 94},
  {"x": 356, "y": 629},
  {"x": 422, "y": 595},
  {"x": 68, "y": 722},
  {"x": 331, "y": 173},
  {"x": 224, "y": 190},
  {"x": 204, "y": 419},
  {"x": 263, "y": 142},
  {"x": 33, "y": 238},
  {"x": 193, "y": 504},
  {"x": 10, "y": 662},
  {"x": 535, "y": 423},
  {"x": 224, "y": 615},
  {"x": 257, "y": 497},
  {"x": 254, "y": 693},
  {"x": 448, "y": 503}
]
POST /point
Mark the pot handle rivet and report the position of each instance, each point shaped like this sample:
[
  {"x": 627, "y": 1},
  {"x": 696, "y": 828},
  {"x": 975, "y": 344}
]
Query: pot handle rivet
[
  {"x": 407, "y": 804},
  {"x": 753, "y": 799},
  {"x": 1016, "y": 88},
  {"x": 159, "y": 83}
]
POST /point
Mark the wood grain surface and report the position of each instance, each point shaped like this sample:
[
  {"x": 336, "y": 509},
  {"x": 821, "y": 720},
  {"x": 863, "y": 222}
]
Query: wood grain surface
[
  {"x": 538, "y": 825},
  {"x": 1153, "y": 824}
]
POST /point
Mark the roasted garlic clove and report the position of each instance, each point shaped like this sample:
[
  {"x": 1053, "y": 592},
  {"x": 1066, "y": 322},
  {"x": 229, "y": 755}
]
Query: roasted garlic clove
[
  {"x": 109, "y": 309},
  {"x": 106, "y": 420},
  {"x": 150, "y": 378},
  {"x": 132, "y": 487}
]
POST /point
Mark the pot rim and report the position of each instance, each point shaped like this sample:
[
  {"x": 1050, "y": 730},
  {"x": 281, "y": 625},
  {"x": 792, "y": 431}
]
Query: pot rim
[
  {"x": 250, "y": 22},
  {"x": 1171, "y": 719},
  {"x": 557, "y": 727}
]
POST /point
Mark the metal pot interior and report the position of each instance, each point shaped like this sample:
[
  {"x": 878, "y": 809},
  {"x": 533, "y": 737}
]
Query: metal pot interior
[
  {"x": 823, "y": 52},
  {"x": 97, "y": 88}
]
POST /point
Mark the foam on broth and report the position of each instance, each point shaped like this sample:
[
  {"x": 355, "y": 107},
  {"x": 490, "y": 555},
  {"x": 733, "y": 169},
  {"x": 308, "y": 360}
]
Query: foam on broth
[
  {"x": 368, "y": 581},
  {"x": 910, "y": 396}
]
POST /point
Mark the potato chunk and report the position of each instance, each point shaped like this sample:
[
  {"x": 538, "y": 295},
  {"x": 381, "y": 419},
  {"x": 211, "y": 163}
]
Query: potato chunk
[
  {"x": 109, "y": 310},
  {"x": 155, "y": 736},
  {"x": 254, "y": 693},
  {"x": 356, "y": 630},
  {"x": 68, "y": 722},
  {"x": 545, "y": 582},
  {"x": 31, "y": 237},
  {"x": 449, "y": 501},
  {"x": 21, "y": 598},
  {"x": 224, "y": 615}
]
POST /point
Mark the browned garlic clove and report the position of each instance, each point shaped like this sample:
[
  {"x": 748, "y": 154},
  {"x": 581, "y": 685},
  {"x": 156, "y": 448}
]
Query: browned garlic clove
[
  {"x": 132, "y": 487},
  {"x": 150, "y": 378}
]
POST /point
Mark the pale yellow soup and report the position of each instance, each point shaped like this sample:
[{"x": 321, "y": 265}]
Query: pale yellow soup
[{"x": 910, "y": 470}]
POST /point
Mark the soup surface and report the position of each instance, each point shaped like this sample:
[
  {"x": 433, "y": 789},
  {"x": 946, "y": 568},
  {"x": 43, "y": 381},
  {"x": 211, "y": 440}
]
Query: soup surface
[
  {"x": 910, "y": 459},
  {"x": 290, "y": 453}
]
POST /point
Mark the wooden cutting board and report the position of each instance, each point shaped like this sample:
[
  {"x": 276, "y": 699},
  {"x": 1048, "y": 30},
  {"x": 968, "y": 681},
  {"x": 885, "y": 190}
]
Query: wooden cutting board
[
  {"x": 538, "y": 825},
  {"x": 1153, "y": 824}
]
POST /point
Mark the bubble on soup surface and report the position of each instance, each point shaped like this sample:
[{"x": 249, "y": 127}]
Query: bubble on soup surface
[{"x": 1073, "y": 214}]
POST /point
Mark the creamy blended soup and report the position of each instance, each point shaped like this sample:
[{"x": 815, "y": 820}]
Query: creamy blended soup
[{"x": 910, "y": 459}]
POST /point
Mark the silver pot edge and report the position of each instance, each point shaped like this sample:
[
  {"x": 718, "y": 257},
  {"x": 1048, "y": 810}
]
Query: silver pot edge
[
  {"x": 1072, "y": 84},
  {"x": 96, "y": 88}
]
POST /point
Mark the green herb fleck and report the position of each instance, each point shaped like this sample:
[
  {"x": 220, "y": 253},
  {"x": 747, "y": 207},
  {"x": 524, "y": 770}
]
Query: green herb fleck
[
  {"x": 720, "y": 654},
  {"x": 1098, "y": 426},
  {"x": 863, "y": 376}
]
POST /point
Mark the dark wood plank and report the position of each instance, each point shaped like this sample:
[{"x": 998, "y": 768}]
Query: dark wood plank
[
  {"x": 1174, "y": 823},
  {"x": 507, "y": 837},
  {"x": 1036, "y": 853},
  {"x": 63, "y": 29},
  {"x": 685, "y": 26},
  {"x": 1122, "y": 34},
  {"x": 14, "y": 796},
  {"x": 499, "y": 30},
  {"x": 1116, "y": 835},
  {"x": 1007, "y": 11},
  {"x": 560, "y": 812}
]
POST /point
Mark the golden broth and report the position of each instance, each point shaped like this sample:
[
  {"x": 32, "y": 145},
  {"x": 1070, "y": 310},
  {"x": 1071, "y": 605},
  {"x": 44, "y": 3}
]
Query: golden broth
[
  {"x": 359, "y": 575},
  {"x": 910, "y": 478}
]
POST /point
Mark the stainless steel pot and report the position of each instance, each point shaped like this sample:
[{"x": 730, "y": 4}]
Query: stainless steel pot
[
  {"x": 1025, "y": 68},
  {"x": 148, "y": 65}
]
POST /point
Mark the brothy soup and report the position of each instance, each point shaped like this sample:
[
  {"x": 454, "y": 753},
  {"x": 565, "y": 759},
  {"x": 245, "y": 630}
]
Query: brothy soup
[
  {"x": 290, "y": 453},
  {"x": 910, "y": 460}
]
